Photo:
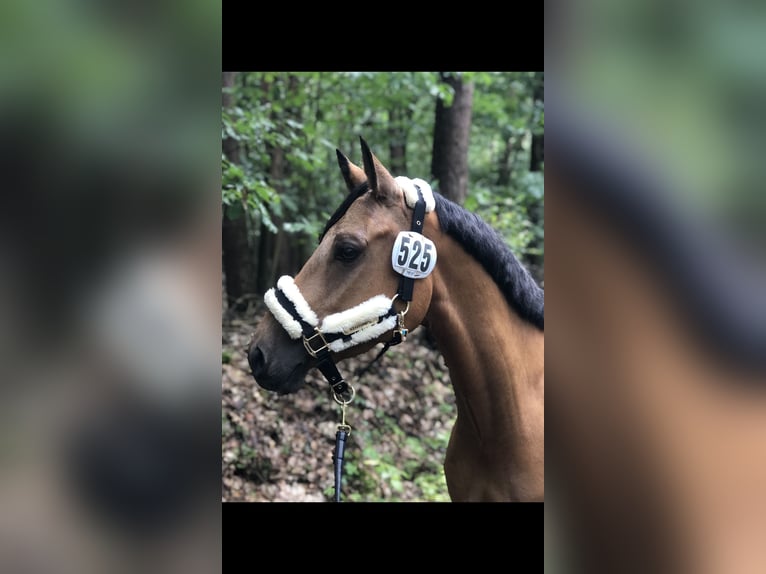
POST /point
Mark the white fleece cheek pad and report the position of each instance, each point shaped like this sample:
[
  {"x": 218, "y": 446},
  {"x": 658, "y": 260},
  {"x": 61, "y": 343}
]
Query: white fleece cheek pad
[
  {"x": 407, "y": 186},
  {"x": 366, "y": 311}
]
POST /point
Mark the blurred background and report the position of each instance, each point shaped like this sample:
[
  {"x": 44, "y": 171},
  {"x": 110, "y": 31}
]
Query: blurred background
[
  {"x": 109, "y": 286},
  {"x": 656, "y": 298},
  {"x": 478, "y": 138}
]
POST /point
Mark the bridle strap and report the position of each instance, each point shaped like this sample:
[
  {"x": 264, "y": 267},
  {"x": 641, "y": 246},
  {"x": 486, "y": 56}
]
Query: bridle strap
[
  {"x": 325, "y": 364},
  {"x": 406, "y": 284},
  {"x": 330, "y": 371}
]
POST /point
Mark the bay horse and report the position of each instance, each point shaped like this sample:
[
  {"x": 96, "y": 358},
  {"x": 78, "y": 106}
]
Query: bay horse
[{"x": 482, "y": 306}]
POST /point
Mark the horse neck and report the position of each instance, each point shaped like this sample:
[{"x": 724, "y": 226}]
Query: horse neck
[{"x": 495, "y": 358}]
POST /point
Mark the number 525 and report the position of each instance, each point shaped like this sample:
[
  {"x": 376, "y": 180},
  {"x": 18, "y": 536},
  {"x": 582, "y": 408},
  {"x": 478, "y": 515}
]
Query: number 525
[{"x": 418, "y": 255}]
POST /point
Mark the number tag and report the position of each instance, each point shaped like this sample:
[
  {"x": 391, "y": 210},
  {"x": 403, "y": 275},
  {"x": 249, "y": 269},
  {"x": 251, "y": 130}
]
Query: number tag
[{"x": 413, "y": 255}]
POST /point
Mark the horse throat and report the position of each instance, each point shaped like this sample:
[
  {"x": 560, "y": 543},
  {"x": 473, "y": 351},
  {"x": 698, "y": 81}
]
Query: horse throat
[{"x": 495, "y": 361}]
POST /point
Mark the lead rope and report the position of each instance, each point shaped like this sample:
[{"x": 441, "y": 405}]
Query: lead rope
[{"x": 344, "y": 430}]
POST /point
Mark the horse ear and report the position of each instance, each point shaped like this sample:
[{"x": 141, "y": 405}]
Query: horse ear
[
  {"x": 353, "y": 175},
  {"x": 381, "y": 182}
]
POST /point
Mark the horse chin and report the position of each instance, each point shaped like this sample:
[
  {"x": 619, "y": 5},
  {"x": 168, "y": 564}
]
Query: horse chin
[
  {"x": 281, "y": 380},
  {"x": 294, "y": 382}
]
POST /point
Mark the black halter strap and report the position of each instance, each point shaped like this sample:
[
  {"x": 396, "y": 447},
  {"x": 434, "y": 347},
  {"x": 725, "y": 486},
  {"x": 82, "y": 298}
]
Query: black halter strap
[
  {"x": 406, "y": 284},
  {"x": 325, "y": 364}
]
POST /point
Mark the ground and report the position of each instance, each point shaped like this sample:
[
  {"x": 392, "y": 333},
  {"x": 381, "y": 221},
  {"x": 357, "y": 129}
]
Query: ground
[{"x": 279, "y": 448}]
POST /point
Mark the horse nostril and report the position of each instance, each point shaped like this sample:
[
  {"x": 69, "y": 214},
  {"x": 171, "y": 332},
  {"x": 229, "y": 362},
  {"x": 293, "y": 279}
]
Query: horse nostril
[{"x": 257, "y": 361}]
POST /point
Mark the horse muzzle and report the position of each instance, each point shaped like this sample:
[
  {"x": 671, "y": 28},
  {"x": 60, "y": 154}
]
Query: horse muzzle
[{"x": 277, "y": 363}]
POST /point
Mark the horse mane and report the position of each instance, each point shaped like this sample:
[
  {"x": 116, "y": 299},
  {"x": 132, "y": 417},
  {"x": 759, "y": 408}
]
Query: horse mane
[{"x": 487, "y": 246}]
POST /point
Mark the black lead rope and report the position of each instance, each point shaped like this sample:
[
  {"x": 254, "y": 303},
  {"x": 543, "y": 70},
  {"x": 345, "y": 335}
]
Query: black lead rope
[
  {"x": 344, "y": 430},
  {"x": 337, "y": 459}
]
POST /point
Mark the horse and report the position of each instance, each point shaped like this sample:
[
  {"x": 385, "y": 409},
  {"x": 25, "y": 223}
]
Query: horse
[{"x": 481, "y": 305}]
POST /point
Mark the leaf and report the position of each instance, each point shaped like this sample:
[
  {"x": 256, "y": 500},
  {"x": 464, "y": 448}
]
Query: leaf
[{"x": 235, "y": 210}]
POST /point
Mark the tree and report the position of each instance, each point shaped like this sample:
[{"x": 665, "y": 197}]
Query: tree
[
  {"x": 452, "y": 127},
  {"x": 536, "y": 157},
  {"x": 538, "y": 147},
  {"x": 238, "y": 265}
]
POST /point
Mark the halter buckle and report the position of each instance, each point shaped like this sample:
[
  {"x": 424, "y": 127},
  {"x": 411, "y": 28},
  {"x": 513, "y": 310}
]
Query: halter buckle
[
  {"x": 406, "y": 308},
  {"x": 307, "y": 343}
]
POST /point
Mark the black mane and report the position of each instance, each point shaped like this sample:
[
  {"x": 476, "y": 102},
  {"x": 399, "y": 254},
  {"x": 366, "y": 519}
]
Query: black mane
[
  {"x": 355, "y": 194},
  {"x": 487, "y": 246}
]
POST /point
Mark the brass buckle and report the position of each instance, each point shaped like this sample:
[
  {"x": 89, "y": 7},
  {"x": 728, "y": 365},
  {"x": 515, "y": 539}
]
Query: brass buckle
[{"x": 307, "y": 343}]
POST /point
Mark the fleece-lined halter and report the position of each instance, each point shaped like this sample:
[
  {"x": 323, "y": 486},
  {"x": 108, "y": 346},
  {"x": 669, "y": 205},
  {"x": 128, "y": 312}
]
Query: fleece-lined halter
[{"x": 371, "y": 318}]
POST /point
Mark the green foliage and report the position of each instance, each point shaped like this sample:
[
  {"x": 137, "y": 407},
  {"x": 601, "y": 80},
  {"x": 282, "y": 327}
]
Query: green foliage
[
  {"x": 502, "y": 189},
  {"x": 411, "y": 468},
  {"x": 306, "y": 115},
  {"x": 506, "y": 210}
]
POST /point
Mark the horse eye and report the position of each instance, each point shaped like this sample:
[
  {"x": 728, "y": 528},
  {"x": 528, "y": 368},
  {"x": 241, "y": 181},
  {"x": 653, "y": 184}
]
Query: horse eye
[{"x": 346, "y": 253}]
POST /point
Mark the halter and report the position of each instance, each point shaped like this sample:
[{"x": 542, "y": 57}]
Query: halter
[
  {"x": 364, "y": 322},
  {"x": 337, "y": 332}
]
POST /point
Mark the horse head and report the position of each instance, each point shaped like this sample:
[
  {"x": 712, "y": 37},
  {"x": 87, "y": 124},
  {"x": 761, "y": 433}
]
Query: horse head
[{"x": 348, "y": 290}]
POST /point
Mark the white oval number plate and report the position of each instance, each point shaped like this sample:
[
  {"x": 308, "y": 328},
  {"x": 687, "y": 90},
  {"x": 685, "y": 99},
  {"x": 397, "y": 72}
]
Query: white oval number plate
[{"x": 414, "y": 255}]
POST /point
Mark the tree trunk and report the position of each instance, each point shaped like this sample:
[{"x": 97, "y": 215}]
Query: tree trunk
[
  {"x": 237, "y": 267},
  {"x": 397, "y": 140},
  {"x": 449, "y": 161},
  {"x": 507, "y": 159},
  {"x": 265, "y": 252},
  {"x": 284, "y": 248},
  {"x": 536, "y": 211},
  {"x": 538, "y": 147}
]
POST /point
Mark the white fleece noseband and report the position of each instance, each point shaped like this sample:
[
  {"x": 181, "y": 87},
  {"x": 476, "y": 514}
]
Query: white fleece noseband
[{"x": 359, "y": 324}]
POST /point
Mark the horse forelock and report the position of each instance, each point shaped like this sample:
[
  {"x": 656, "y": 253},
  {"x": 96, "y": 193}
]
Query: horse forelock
[{"x": 353, "y": 195}]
